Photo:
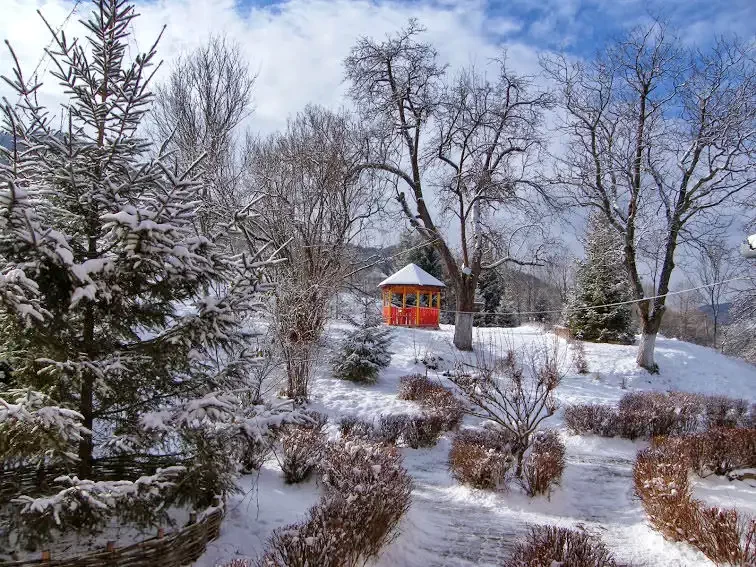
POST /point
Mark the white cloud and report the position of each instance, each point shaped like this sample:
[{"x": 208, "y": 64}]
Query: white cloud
[{"x": 297, "y": 47}]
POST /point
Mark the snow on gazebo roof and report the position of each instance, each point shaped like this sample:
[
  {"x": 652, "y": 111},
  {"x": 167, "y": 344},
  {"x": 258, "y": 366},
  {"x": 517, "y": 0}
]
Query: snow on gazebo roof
[
  {"x": 748, "y": 249},
  {"x": 412, "y": 275}
]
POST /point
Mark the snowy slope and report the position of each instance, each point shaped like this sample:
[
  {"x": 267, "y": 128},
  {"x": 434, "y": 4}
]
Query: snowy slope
[{"x": 452, "y": 525}]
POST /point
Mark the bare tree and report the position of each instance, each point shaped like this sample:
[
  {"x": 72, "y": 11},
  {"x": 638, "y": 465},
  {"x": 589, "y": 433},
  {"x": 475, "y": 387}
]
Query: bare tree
[
  {"x": 659, "y": 138},
  {"x": 513, "y": 389},
  {"x": 475, "y": 139},
  {"x": 198, "y": 111},
  {"x": 715, "y": 263},
  {"x": 315, "y": 207}
]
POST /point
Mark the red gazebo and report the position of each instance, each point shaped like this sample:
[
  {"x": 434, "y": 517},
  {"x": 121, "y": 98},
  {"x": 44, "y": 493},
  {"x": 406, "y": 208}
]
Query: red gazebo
[{"x": 411, "y": 298}]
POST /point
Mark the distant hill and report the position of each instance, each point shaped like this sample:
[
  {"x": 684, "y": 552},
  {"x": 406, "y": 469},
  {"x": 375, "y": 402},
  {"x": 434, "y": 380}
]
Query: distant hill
[
  {"x": 724, "y": 312},
  {"x": 5, "y": 140}
]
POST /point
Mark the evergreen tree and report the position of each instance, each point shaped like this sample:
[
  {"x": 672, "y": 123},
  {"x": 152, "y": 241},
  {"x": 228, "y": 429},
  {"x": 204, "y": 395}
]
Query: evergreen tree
[
  {"x": 506, "y": 313},
  {"x": 600, "y": 280},
  {"x": 425, "y": 257},
  {"x": 122, "y": 328},
  {"x": 491, "y": 287},
  {"x": 364, "y": 351}
]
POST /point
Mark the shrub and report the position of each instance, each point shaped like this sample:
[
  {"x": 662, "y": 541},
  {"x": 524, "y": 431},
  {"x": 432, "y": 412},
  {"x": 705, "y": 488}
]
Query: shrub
[
  {"x": 581, "y": 364},
  {"x": 302, "y": 449},
  {"x": 481, "y": 459},
  {"x": 313, "y": 420},
  {"x": 721, "y": 451},
  {"x": 253, "y": 454},
  {"x": 391, "y": 427},
  {"x": 423, "y": 430},
  {"x": 591, "y": 418},
  {"x": 414, "y": 387},
  {"x": 352, "y": 426},
  {"x": 367, "y": 491},
  {"x": 551, "y": 545},
  {"x": 721, "y": 411},
  {"x": 661, "y": 481},
  {"x": 544, "y": 466},
  {"x": 649, "y": 414},
  {"x": 363, "y": 354},
  {"x": 441, "y": 402},
  {"x": 515, "y": 390}
]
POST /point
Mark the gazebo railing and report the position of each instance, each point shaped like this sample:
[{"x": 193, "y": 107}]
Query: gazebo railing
[{"x": 411, "y": 316}]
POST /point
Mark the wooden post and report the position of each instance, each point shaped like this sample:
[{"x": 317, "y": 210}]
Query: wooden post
[
  {"x": 417, "y": 307},
  {"x": 110, "y": 546},
  {"x": 161, "y": 532},
  {"x": 391, "y": 308},
  {"x": 46, "y": 555}
]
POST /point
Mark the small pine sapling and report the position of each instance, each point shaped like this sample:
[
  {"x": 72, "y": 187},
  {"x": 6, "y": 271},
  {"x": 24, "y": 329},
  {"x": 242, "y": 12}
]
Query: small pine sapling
[{"x": 364, "y": 353}]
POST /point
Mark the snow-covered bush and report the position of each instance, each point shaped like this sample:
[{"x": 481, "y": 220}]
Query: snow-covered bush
[
  {"x": 363, "y": 354},
  {"x": 301, "y": 451},
  {"x": 514, "y": 390},
  {"x": 391, "y": 427},
  {"x": 547, "y": 546},
  {"x": 423, "y": 430},
  {"x": 544, "y": 465},
  {"x": 721, "y": 411},
  {"x": 661, "y": 479},
  {"x": 435, "y": 398},
  {"x": 414, "y": 387},
  {"x": 481, "y": 459},
  {"x": 648, "y": 414},
  {"x": 352, "y": 426},
  {"x": 581, "y": 364},
  {"x": 367, "y": 491},
  {"x": 599, "y": 419}
]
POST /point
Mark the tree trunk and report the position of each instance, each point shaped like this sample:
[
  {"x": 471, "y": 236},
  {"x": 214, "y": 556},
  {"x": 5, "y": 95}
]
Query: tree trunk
[
  {"x": 463, "y": 320},
  {"x": 645, "y": 358}
]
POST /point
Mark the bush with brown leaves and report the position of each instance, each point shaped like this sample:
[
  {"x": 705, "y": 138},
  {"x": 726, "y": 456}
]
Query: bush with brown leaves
[
  {"x": 544, "y": 465},
  {"x": 598, "y": 419},
  {"x": 414, "y": 387},
  {"x": 551, "y": 545},
  {"x": 423, "y": 430},
  {"x": 301, "y": 450},
  {"x": 661, "y": 481},
  {"x": 643, "y": 415},
  {"x": 352, "y": 426},
  {"x": 391, "y": 427},
  {"x": 481, "y": 459},
  {"x": 367, "y": 491}
]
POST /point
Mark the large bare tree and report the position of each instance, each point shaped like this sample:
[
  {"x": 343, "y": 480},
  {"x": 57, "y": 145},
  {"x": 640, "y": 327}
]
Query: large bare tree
[
  {"x": 315, "y": 206},
  {"x": 471, "y": 138},
  {"x": 659, "y": 139},
  {"x": 199, "y": 110}
]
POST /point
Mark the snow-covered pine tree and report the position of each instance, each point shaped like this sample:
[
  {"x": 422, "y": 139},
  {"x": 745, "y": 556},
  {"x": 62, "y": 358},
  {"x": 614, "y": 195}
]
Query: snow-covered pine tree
[
  {"x": 425, "y": 257},
  {"x": 506, "y": 313},
  {"x": 118, "y": 323},
  {"x": 365, "y": 350},
  {"x": 491, "y": 287},
  {"x": 600, "y": 280}
]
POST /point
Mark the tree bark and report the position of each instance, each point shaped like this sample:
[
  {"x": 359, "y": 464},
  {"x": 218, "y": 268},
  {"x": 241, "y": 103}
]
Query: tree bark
[
  {"x": 463, "y": 320},
  {"x": 649, "y": 331}
]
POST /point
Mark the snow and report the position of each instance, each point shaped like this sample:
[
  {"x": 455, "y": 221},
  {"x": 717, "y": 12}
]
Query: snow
[
  {"x": 748, "y": 249},
  {"x": 452, "y": 525},
  {"x": 412, "y": 275}
]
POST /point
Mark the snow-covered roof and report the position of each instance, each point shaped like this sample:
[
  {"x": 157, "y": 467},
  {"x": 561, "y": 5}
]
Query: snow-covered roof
[
  {"x": 412, "y": 275},
  {"x": 749, "y": 247}
]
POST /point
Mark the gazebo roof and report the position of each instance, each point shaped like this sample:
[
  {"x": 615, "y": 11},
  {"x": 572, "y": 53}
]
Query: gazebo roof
[{"x": 412, "y": 275}]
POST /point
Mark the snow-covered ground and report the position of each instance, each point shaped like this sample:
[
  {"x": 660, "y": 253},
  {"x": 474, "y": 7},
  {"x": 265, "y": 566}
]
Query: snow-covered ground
[{"x": 453, "y": 525}]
